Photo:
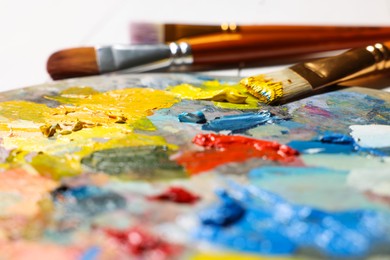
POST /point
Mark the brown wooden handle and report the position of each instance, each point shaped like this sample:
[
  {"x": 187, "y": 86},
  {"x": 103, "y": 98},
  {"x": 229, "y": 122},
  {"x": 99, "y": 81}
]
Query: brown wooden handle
[{"x": 241, "y": 47}]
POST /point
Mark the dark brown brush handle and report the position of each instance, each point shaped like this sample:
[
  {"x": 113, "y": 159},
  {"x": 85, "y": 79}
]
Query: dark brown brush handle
[
  {"x": 351, "y": 64},
  {"x": 245, "y": 47}
]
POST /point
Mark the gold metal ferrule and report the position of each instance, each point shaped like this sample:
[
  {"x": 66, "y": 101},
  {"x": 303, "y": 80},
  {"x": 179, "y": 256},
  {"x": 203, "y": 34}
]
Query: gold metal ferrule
[{"x": 350, "y": 64}]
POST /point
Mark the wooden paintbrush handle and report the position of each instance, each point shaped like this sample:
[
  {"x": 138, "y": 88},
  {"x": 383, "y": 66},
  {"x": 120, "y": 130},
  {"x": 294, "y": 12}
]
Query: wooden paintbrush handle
[
  {"x": 236, "y": 47},
  {"x": 351, "y": 64}
]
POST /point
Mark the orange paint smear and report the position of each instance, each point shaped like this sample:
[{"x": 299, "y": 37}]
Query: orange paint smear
[{"x": 221, "y": 149}]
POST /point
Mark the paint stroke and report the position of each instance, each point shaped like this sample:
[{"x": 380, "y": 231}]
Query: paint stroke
[
  {"x": 375, "y": 136},
  {"x": 177, "y": 195},
  {"x": 270, "y": 224},
  {"x": 374, "y": 182},
  {"x": 78, "y": 203},
  {"x": 139, "y": 162},
  {"x": 320, "y": 187},
  {"x": 239, "y": 122},
  {"x": 141, "y": 244},
  {"x": 197, "y": 117},
  {"x": 222, "y": 94},
  {"x": 222, "y": 149},
  {"x": 333, "y": 143}
]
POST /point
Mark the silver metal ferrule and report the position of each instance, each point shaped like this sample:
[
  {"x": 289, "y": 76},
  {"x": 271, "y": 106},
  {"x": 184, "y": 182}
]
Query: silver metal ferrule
[{"x": 142, "y": 58}]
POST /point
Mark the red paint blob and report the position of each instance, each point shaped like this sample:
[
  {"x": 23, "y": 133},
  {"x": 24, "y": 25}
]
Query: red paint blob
[
  {"x": 221, "y": 149},
  {"x": 140, "y": 243},
  {"x": 176, "y": 194}
]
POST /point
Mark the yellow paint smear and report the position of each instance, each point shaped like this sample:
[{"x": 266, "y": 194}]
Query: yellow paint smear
[
  {"x": 224, "y": 95},
  {"x": 86, "y": 122},
  {"x": 266, "y": 90}
]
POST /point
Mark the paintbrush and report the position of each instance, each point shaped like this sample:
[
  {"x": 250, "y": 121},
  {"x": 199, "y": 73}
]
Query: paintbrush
[
  {"x": 221, "y": 49},
  {"x": 147, "y": 33},
  {"x": 304, "y": 78}
]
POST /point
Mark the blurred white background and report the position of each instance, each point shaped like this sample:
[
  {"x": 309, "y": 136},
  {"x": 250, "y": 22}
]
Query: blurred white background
[{"x": 31, "y": 30}]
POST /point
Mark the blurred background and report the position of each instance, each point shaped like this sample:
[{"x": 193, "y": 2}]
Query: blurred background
[{"x": 32, "y": 30}]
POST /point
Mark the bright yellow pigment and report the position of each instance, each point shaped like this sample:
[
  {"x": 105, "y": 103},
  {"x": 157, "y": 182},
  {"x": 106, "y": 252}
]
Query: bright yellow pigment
[
  {"x": 266, "y": 90},
  {"x": 86, "y": 121},
  {"x": 224, "y": 95}
]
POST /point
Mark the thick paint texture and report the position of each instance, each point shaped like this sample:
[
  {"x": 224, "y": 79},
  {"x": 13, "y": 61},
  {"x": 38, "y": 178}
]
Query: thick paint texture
[
  {"x": 223, "y": 95},
  {"x": 265, "y": 89},
  {"x": 332, "y": 144},
  {"x": 222, "y": 149},
  {"x": 142, "y": 162},
  {"x": 176, "y": 194},
  {"x": 265, "y": 223},
  {"x": 197, "y": 117},
  {"x": 239, "y": 122}
]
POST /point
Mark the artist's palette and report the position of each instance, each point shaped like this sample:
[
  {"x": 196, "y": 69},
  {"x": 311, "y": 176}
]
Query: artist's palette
[{"x": 177, "y": 166}]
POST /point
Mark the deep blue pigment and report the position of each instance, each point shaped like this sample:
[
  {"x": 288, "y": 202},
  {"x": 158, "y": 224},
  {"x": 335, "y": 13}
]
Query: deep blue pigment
[
  {"x": 237, "y": 123},
  {"x": 272, "y": 225},
  {"x": 196, "y": 117},
  {"x": 333, "y": 143}
]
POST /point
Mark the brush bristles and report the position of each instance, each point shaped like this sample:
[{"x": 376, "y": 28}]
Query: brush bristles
[
  {"x": 70, "y": 63},
  {"x": 277, "y": 87}
]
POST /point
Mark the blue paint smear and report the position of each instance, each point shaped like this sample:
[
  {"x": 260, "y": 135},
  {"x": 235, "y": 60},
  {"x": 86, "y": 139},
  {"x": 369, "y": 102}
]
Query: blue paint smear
[
  {"x": 82, "y": 201},
  {"x": 333, "y": 143},
  {"x": 92, "y": 253},
  {"x": 236, "y": 123},
  {"x": 272, "y": 225},
  {"x": 197, "y": 117}
]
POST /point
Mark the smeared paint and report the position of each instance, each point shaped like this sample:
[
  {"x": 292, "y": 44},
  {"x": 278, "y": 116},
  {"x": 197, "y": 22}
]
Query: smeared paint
[
  {"x": 196, "y": 117},
  {"x": 317, "y": 111},
  {"x": 236, "y": 256},
  {"x": 221, "y": 149},
  {"x": 372, "y": 181},
  {"x": 77, "y": 203},
  {"x": 141, "y": 244},
  {"x": 21, "y": 192},
  {"x": 375, "y": 136},
  {"x": 223, "y": 95},
  {"x": 239, "y": 122},
  {"x": 91, "y": 253},
  {"x": 265, "y": 89},
  {"x": 89, "y": 121},
  {"x": 176, "y": 194},
  {"x": 313, "y": 186},
  {"x": 332, "y": 143},
  {"x": 272, "y": 225},
  {"x": 142, "y": 162},
  {"x": 226, "y": 213},
  {"x": 19, "y": 250}
]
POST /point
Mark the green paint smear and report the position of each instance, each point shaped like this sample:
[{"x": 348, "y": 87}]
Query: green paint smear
[{"x": 141, "y": 162}]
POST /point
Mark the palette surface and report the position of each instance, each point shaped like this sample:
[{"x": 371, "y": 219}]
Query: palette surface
[{"x": 183, "y": 166}]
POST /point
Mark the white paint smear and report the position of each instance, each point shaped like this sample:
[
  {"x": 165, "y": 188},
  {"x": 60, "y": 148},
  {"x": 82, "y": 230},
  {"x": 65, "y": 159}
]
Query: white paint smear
[
  {"x": 374, "y": 136},
  {"x": 376, "y": 180}
]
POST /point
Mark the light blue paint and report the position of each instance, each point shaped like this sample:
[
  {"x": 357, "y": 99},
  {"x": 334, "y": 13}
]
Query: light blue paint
[
  {"x": 91, "y": 253},
  {"x": 272, "y": 225},
  {"x": 237, "y": 123},
  {"x": 196, "y": 117}
]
